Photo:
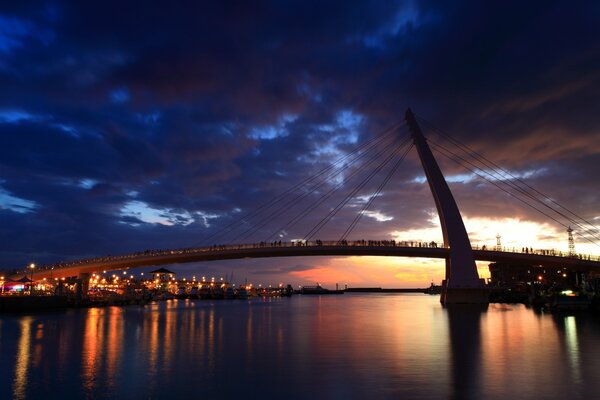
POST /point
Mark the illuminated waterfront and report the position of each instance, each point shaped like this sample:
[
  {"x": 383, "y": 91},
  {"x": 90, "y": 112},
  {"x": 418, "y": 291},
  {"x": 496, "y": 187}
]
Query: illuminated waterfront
[{"x": 350, "y": 346}]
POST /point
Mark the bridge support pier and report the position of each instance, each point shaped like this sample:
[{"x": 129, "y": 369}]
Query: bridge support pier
[
  {"x": 83, "y": 284},
  {"x": 464, "y": 295}
]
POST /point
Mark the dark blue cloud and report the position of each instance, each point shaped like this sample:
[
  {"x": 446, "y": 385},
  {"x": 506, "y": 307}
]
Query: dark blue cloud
[{"x": 129, "y": 125}]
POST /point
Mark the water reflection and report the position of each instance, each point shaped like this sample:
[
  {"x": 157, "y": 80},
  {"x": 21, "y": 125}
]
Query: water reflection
[
  {"x": 93, "y": 339},
  {"x": 22, "y": 361},
  {"x": 38, "y": 348},
  {"x": 350, "y": 346},
  {"x": 152, "y": 345},
  {"x": 572, "y": 346},
  {"x": 465, "y": 344},
  {"x": 114, "y": 346}
]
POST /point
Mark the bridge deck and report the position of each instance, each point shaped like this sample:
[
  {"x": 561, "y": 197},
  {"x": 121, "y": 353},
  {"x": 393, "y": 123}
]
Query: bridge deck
[{"x": 264, "y": 251}]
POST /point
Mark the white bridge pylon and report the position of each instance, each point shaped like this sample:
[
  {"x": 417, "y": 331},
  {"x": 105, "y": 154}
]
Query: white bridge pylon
[{"x": 462, "y": 283}]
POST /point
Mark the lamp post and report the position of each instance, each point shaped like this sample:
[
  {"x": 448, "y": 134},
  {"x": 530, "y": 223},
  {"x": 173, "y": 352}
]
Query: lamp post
[
  {"x": 2, "y": 282},
  {"x": 32, "y": 266}
]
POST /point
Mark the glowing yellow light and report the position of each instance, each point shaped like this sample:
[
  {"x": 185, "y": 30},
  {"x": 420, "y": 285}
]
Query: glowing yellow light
[{"x": 540, "y": 278}]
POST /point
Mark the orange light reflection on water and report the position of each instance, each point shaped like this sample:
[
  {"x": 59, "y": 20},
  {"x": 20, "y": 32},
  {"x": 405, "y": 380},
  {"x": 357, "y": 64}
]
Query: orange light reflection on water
[
  {"x": 169, "y": 336},
  {"x": 152, "y": 343},
  {"x": 23, "y": 354},
  {"x": 114, "y": 345},
  {"x": 38, "y": 348},
  {"x": 519, "y": 345},
  {"x": 382, "y": 333},
  {"x": 93, "y": 342}
]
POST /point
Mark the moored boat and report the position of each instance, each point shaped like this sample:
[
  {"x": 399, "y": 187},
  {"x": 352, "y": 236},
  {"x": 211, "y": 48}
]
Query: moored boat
[
  {"x": 569, "y": 301},
  {"x": 229, "y": 293},
  {"x": 241, "y": 293}
]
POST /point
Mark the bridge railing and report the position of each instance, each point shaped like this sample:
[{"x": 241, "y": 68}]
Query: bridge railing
[
  {"x": 242, "y": 246},
  {"x": 301, "y": 243}
]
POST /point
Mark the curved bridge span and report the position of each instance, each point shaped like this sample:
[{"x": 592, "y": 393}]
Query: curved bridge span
[{"x": 166, "y": 257}]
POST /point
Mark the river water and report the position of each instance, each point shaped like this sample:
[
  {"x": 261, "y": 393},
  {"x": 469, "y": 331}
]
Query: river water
[{"x": 373, "y": 346}]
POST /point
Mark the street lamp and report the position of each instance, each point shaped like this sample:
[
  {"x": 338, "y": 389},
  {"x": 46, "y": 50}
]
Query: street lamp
[{"x": 32, "y": 266}]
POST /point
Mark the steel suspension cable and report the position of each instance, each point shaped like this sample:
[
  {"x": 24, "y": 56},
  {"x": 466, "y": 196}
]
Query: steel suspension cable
[
  {"x": 312, "y": 207},
  {"x": 509, "y": 179},
  {"x": 504, "y": 174},
  {"x": 285, "y": 206},
  {"x": 259, "y": 210},
  {"x": 340, "y": 205},
  {"x": 453, "y": 157},
  {"x": 524, "y": 192},
  {"x": 374, "y": 196}
]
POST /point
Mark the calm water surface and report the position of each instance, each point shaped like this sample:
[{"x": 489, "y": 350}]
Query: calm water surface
[{"x": 350, "y": 346}]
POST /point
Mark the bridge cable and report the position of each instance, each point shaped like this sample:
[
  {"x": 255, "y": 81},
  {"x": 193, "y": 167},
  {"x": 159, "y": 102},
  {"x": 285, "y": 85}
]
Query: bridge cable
[
  {"x": 344, "y": 201},
  {"x": 441, "y": 150},
  {"x": 252, "y": 214},
  {"x": 504, "y": 175},
  {"x": 295, "y": 200},
  {"x": 327, "y": 195},
  {"x": 473, "y": 152},
  {"x": 248, "y": 216},
  {"x": 340, "y": 205},
  {"x": 285, "y": 206},
  {"x": 313, "y": 206},
  {"x": 524, "y": 192},
  {"x": 454, "y": 157},
  {"x": 374, "y": 196},
  {"x": 510, "y": 183}
]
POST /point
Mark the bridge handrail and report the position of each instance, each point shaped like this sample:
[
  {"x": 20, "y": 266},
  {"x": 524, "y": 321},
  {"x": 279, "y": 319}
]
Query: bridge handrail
[
  {"x": 302, "y": 243},
  {"x": 218, "y": 247}
]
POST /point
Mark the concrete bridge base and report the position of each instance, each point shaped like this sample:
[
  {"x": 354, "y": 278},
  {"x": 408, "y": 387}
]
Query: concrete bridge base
[{"x": 464, "y": 295}]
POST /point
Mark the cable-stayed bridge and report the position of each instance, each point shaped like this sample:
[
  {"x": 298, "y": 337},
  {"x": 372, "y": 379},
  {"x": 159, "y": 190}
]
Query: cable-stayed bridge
[
  {"x": 382, "y": 153},
  {"x": 386, "y": 248}
]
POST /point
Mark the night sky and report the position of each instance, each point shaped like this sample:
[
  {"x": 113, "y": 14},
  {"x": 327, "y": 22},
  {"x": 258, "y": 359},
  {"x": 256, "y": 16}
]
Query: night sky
[{"x": 127, "y": 126}]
